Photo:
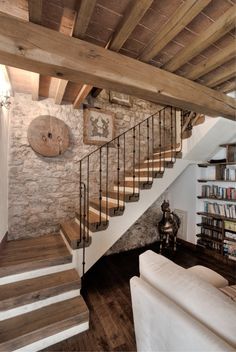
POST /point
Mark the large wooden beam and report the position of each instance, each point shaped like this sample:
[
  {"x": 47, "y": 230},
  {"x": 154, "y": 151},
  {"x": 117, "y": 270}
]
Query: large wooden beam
[
  {"x": 180, "y": 18},
  {"x": 211, "y": 63},
  {"x": 221, "y": 77},
  {"x": 35, "y": 48},
  {"x": 83, "y": 18},
  {"x": 223, "y": 25}
]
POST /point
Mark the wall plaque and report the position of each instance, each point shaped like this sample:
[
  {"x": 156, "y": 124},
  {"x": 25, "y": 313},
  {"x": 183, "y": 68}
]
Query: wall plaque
[{"x": 48, "y": 135}]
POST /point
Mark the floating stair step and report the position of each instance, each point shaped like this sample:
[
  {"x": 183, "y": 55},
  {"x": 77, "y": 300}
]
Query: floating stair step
[
  {"x": 25, "y": 329},
  {"x": 151, "y": 174},
  {"x": 136, "y": 184},
  {"x": 167, "y": 154},
  {"x": 186, "y": 134},
  {"x": 33, "y": 290},
  {"x": 127, "y": 196},
  {"x": 34, "y": 253},
  {"x": 71, "y": 231},
  {"x": 157, "y": 165},
  {"x": 127, "y": 189},
  {"x": 111, "y": 207},
  {"x": 94, "y": 222}
]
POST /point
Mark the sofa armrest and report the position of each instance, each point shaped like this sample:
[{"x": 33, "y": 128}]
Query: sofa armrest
[{"x": 209, "y": 276}]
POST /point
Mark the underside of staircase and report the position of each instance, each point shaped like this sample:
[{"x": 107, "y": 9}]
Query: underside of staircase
[{"x": 40, "y": 301}]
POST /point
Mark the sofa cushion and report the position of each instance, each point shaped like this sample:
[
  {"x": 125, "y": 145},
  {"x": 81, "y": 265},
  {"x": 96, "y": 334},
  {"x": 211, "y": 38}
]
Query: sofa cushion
[
  {"x": 209, "y": 275},
  {"x": 196, "y": 296},
  {"x": 230, "y": 291}
]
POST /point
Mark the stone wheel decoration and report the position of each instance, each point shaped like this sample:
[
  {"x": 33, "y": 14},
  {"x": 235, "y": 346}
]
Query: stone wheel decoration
[{"x": 48, "y": 136}]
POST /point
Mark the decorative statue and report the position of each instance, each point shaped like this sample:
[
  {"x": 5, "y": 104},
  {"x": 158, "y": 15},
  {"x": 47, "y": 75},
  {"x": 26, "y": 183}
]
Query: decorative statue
[{"x": 168, "y": 226}]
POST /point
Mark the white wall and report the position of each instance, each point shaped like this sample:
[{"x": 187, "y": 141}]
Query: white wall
[
  {"x": 4, "y": 135},
  {"x": 182, "y": 195}
]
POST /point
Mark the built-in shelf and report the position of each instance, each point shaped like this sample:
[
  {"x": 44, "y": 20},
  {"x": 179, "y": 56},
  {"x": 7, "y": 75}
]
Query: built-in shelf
[
  {"x": 205, "y": 180},
  {"x": 215, "y": 164},
  {"x": 208, "y": 238},
  {"x": 215, "y": 216},
  {"x": 229, "y": 239},
  {"x": 221, "y": 199},
  {"x": 209, "y": 227}
]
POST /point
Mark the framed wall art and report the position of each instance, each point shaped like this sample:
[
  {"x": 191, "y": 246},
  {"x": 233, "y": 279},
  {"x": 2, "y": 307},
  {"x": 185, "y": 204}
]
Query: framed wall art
[
  {"x": 98, "y": 126},
  {"x": 120, "y": 98}
]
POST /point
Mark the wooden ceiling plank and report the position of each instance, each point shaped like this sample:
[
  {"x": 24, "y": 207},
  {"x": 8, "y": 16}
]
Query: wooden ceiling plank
[
  {"x": 225, "y": 75},
  {"x": 228, "y": 87},
  {"x": 35, "y": 16},
  {"x": 67, "y": 29},
  {"x": 35, "y": 80},
  {"x": 84, "y": 91},
  {"x": 35, "y": 11},
  {"x": 180, "y": 19},
  {"x": 222, "y": 26},
  {"x": 83, "y": 18},
  {"x": 211, "y": 63},
  {"x": 130, "y": 20},
  {"x": 35, "y": 48}
]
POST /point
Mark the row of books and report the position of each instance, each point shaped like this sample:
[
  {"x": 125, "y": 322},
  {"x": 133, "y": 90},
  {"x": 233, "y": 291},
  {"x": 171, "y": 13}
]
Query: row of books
[
  {"x": 230, "y": 235},
  {"x": 229, "y": 249},
  {"x": 230, "y": 225},
  {"x": 227, "y": 210},
  {"x": 203, "y": 242},
  {"x": 212, "y": 222},
  {"x": 219, "y": 192},
  {"x": 215, "y": 235},
  {"x": 229, "y": 174}
]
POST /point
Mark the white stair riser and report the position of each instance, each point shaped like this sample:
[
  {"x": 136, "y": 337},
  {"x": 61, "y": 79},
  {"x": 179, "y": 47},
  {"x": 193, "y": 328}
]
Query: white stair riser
[
  {"x": 39, "y": 304},
  {"x": 35, "y": 273},
  {"x": 53, "y": 339}
]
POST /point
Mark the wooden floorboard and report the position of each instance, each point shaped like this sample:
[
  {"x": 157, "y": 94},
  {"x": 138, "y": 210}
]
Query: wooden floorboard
[{"x": 107, "y": 294}]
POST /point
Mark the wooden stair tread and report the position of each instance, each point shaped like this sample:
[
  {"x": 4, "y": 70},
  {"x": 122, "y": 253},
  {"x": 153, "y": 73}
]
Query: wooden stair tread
[
  {"x": 30, "y": 327},
  {"x": 109, "y": 204},
  {"x": 71, "y": 230},
  {"x": 28, "y": 291},
  {"x": 15, "y": 258},
  {"x": 95, "y": 218}
]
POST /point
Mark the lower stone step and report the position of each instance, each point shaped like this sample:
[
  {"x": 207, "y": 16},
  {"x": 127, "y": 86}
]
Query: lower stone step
[
  {"x": 31, "y": 294},
  {"x": 44, "y": 327}
]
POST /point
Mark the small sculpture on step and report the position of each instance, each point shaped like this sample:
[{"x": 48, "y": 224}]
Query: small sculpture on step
[{"x": 168, "y": 227}]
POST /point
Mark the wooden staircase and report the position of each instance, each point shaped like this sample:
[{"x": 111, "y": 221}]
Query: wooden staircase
[{"x": 40, "y": 301}]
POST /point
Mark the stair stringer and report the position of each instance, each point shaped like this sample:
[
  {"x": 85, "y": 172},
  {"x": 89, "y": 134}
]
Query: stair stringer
[{"x": 103, "y": 240}]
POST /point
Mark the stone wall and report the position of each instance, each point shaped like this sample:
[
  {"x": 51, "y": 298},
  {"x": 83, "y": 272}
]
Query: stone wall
[{"x": 44, "y": 191}]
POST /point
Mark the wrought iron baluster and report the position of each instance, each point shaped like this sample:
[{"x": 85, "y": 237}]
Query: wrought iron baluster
[
  {"x": 100, "y": 186},
  {"x": 134, "y": 151},
  {"x": 139, "y": 154},
  {"x": 160, "y": 138},
  {"x": 171, "y": 132},
  {"x": 152, "y": 153},
  {"x": 124, "y": 157},
  {"x": 148, "y": 151},
  {"x": 118, "y": 172},
  {"x": 84, "y": 228},
  {"x": 80, "y": 202},
  {"x": 87, "y": 193},
  {"x": 107, "y": 181}
]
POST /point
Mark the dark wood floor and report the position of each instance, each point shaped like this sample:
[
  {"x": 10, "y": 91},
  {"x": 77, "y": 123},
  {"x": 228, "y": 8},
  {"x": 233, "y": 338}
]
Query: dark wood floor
[{"x": 106, "y": 292}]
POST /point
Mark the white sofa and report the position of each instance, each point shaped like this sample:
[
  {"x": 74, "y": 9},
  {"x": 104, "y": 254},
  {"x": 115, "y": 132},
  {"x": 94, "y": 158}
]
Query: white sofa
[{"x": 176, "y": 309}]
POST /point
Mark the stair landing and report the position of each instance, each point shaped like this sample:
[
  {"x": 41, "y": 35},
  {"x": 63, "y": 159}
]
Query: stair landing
[{"x": 33, "y": 253}]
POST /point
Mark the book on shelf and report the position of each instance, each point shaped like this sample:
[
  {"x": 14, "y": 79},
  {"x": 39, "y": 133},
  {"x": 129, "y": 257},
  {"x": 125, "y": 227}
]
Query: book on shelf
[
  {"x": 219, "y": 192},
  {"x": 212, "y": 222},
  {"x": 225, "y": 210},
  {"x": 229, "y": 248},
  {"x": 207, "y": 243},
  {"x": 230, "y": 235},
  {"x": 229, "y": 174},
  {"x": 230, "y": 225}
]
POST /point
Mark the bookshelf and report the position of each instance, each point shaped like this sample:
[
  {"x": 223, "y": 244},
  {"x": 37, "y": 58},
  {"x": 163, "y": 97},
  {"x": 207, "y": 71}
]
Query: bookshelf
[{"x": 217, "y": 206}]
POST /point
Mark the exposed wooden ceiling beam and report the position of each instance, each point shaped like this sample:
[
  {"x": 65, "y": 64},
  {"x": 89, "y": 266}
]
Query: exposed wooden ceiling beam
[
  {"x": 15, "y": 8},
  {"x": 227, "y": 87},
  {"x": 221, "y": 77},
  {"x": 66, "y": 27},
  {"x": 35, "y": 11},
  {"x": 222, "y": 26},
  {"x": 180, "y": 19},
  {"x": 35, "y": 48},
  {"x": 84, "y": 91},
  {"x": 35, "y": 80},
  {"x": 211, "y": 63},
  {"x": 83, "y": 18},
  {"x": 132, "y": 17},
  {"x": 35, "y": 16}
]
